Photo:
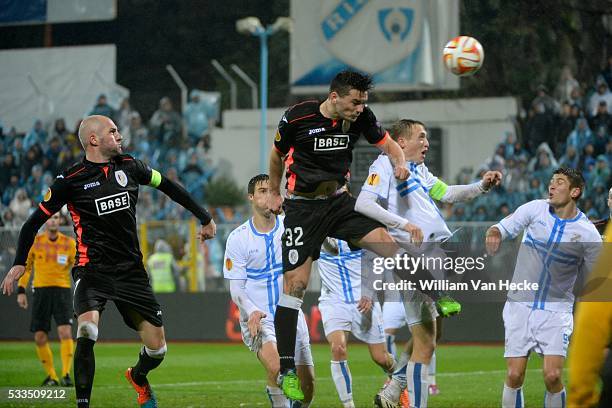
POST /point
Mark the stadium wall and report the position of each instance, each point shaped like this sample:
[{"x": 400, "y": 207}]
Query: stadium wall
[
  {"x": 213, "y": 317},
  {"x": 471, "y": 128}
]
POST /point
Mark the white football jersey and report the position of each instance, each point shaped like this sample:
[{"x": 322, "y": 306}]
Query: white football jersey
[
  {"x": 341, "y": 274},
  {"x": 553, "y": 252},
  {"x": 257, "y": 258},
  {"x": 411, "y": 199}
]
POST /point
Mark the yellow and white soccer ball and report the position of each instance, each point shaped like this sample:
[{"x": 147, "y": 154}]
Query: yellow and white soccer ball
[{"x": 463, "y": 55}]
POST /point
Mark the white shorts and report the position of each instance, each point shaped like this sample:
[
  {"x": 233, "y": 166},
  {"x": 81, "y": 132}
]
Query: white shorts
[
  {"x": 338, "y": 315},
  {"x": 419, "y": 309},
  {"x": 542, "y": 331},
  {"x": 303, "y": 354}
]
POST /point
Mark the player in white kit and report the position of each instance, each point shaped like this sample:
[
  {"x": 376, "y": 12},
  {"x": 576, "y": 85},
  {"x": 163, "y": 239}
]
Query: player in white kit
[
  {"x": 558, "y": 244},
  {"x": 345, "y": 309},
  {"x": 253, "y": 265},
  {"x": 396, "y": 204}
]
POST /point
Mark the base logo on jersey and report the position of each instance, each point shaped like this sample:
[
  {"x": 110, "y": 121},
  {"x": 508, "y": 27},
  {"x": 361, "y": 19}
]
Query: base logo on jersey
[
  {"x": 121, "y": 178},
  {"x": 228, "y": 264},
  {"x": 331, "y": 142},
  {"x": 293, "y": 256},
  {"x": 373, "y": 179},
  {"x": 47, "y": 196},
  {"x": 113, "y": 203}
]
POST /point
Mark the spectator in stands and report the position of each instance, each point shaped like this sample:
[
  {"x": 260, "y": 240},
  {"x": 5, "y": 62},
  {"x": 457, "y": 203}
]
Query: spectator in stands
[
  {"x": 20, "y": 206},
  {"x": 166, "y": 124},
  {"x": 65, "y": 159},
  {"x": 72, "y": 140},
  {"x": 7, "y": 169},
  {"x": 124, "y": 115},
  {"x": 18, "y": 151},
  {"x": 606, "y": 72},
  {"x": 59, "y": 129},
  {"x": 10, "y": 190},
  {"x": 31, "y": 158},
  {"x": 601, "y": 173},
  {"x": 36, "y": 136},
  {"x": 551, "y": 106},
  {"x": 103, "y": 108},
  {"x": 566, "y": 84},
  {"x": 459, "y": 213},
  {"x": 540, "y": 128},
  {"x": 588, "y": 161},
  {"x": 198, "y": 117},
  {"x": 580, "y": 136},
  {"x": 577, "y": 98},
  {"x": 8, "y": 219},
  {"x": 570, "y": 158},
  {"x": 602, "y": 118},
  {"x": 608, "y": 153},
  {"x": 536, "y": 190},
  {"x": 514, "y": 178},
  {"x": 52, "y": 154},
  {"x": 603, "y": 94},
  {"x": 145, "y": 209},
  {"x": 565, "y": 125},
  {"x": 138, "y": 135},
  {"x": 34, "y": 183}
]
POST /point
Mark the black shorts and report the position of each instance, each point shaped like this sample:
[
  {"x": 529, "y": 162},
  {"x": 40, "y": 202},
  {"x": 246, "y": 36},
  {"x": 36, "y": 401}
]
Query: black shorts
[
  {"x": 309, "y": 222},
  {"x": 129, "y": 288},
  {"x": 50, "y": 301}
]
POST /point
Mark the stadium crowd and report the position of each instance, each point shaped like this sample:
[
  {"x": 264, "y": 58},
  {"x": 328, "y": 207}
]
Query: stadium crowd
[
  {"x": 566, "y": 128},
  {"x": 563, "y": 129}
]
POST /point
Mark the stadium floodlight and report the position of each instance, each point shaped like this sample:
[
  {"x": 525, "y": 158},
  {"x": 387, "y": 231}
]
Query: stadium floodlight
[{"x": 252, "y": 26}]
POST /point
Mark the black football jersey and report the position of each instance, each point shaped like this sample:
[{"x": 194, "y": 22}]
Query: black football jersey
[
  {"x": 319, "y": 149},
  {"x": 101, "y": 198}
]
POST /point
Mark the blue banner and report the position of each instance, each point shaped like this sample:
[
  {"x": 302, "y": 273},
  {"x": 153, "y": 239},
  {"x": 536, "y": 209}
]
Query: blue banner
[{"x": 23, "y": 11}]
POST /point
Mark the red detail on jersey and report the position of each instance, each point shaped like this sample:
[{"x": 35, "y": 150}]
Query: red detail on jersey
[
  {"x": 292, "y": 176},
  {"x": 383, "y": 140},
  {"x": 127, "y": 158},
  {"x": 303, "y": 117},
  {"x": 42, "y": 207},
  {"x": 76, "y": 172},
  {"x": 81, "y": 247},
  {"x": 105, "y": 169},
  {"x": 303, "y": 102},
  {"x": 334, "y": 122}
]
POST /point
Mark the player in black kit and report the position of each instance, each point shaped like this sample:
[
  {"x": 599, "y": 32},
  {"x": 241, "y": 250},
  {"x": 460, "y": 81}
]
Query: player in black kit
[
  {"x": 101, "y": 193},
  {"x": 314, "y": 143}
]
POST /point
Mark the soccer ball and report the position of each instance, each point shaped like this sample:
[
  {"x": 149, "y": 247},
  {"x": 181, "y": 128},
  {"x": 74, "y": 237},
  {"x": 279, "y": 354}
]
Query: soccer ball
[{"x": 463, "y": 55}]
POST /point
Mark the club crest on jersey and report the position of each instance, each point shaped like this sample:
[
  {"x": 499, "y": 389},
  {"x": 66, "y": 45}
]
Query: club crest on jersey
[
  {"x": 121, "y": 178},
  {"x": 113, "y": 203},
  {"x": 228, "y": 264},
  {"x": 293, "y": 256},
  {"x": 331, "y": 142}
]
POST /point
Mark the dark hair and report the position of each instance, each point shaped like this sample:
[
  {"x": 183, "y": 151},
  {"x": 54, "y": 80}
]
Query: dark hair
[
  {"x": 346, "y": 80},
  {"x": 399, "y": 127},
  {"x": 257, "y": 179},
  {"x": 575, "y": 178}
]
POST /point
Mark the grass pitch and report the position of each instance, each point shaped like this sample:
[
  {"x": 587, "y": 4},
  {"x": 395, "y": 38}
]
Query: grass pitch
[{"x": 228, "y": 375}]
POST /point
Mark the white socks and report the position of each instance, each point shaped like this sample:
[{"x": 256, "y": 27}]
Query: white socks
[
  {"x": 432, "y": 370},
  {"x": 513, "y": 397},
  {"x": 418, "y": 386},
  {"x": 277, "y": 398},
  {"x": 555, "y": 400},
  {"x": 343, "y": 381}
]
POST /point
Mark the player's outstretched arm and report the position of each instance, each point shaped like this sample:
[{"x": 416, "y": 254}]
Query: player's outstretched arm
[
  {"x": 275, "y": 173},
  {"x": 24, "y": 243},
  {"x": 396, "y": 155},
  {"x": 465, "y": 192}
]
